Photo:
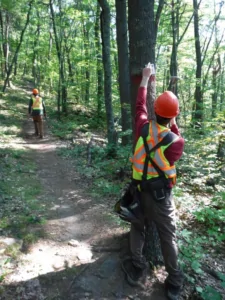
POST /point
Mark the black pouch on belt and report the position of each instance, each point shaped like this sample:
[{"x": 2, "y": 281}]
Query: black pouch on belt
[{"x": 157, "y": 187}]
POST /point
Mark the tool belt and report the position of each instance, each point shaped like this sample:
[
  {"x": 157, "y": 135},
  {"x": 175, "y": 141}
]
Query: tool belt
[{"x": 158, "y": 187}]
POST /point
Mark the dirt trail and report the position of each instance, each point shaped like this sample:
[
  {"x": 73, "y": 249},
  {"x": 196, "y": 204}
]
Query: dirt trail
[{"x": 81, "y": 249}]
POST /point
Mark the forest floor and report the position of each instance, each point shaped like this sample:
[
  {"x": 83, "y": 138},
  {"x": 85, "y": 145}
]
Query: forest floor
[
  {"x": 80, "y": 253},
  {"x": 79, "y": 248}
]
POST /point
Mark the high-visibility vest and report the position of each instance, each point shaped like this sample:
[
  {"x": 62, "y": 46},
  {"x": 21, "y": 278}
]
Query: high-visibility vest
[
  {"x": 155, "y": 135},
  {"x": 37, "y": 103}
]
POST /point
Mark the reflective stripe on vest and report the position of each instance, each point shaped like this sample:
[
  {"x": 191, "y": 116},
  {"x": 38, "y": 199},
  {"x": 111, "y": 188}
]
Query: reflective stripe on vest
[
  {"x": 37, "y": 103},
  {"x": 155, "y": 135}
]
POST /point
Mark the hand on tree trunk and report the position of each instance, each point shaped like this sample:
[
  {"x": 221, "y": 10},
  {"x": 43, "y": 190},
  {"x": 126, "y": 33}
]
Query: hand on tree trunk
[{"x": 146, "y": 73}]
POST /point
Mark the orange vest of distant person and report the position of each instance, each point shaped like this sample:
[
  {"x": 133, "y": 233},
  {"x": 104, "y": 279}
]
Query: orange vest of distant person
[{"x": 37, "y": 103}]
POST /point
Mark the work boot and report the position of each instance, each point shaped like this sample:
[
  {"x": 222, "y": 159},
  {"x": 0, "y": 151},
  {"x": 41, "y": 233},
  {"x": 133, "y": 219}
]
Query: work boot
[
  {"x": 172, "y": 291},
  {"x": 135, "y": 276}
]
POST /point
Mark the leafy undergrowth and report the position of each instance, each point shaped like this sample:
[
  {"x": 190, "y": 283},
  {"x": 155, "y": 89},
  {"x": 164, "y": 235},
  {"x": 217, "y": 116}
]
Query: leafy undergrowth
[
  {"x": 199, "y": 197},
  {"x": 199, "y": 194},
  {"x": 19, "y": 187}
]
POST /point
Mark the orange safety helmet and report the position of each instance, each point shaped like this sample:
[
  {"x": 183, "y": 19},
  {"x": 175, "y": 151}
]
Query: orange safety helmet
[
  {"x": 35, "y": 91},
  {"x": 167, "y": 105}
]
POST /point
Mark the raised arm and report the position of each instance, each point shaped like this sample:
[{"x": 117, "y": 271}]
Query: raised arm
[{"x": 141, "y": 113}]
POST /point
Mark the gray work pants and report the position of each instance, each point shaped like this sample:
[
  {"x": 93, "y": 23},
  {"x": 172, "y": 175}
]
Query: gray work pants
[{"x": 163, "y": 214}]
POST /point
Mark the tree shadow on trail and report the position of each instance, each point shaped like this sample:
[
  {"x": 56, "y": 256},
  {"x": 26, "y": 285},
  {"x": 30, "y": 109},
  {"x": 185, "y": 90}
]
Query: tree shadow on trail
[{"x": 102, "y": 278}]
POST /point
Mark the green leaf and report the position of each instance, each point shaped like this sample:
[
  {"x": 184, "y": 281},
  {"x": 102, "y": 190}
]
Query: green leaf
[
  {"x": 185, "y": 233},
  {"x": 211, "y": 294},
  {"x": 221, "y": 276},
  {"x": 196, "y": 267},
  {"x": 199, "y": 289}
]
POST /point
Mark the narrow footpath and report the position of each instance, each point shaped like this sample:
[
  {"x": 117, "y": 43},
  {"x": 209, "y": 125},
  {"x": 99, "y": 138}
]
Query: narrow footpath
[{"x": 79, "y": 253}]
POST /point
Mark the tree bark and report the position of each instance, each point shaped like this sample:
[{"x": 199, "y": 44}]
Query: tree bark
[
  {"x": 99, "y": 64},
  {"x": 35, "y": 52},
  {"x": 222, "y": 87},
  {"x": 143, "y": 27},
  {"x": 123, "y": 62},
  {"x": 105, "y": 32},
  {"x": 215, "y": 72},
  {"x": 62, "y": 88},
  {"x": 198, "y": 112},
  {"x": 176, "y": 18},
  {"x": 4, "y": 22},
  {"x": 9, "y": 71},
  {"x": 87, "y": 67},
  {"x": 197, "y": 115},
  {"x": 173, "y": 59}
]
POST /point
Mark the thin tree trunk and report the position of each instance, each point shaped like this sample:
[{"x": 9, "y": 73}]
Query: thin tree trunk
[
  {"x": 215, "y": 85},
  {"x": 69, "y": 63},
  {"x": 197, "y": 115},
  {"x": 18, "y": 47},
  {"x": 50, "y": 52},
  {"x": 176, "y": 16},
  {"x": 123, "y": 62},
  {"x": 87, "y": 67},
  {"x": 173, "y": 59},
  {"x": 58, "y": 50},
  {"x": 35, "y": 52},
  {"x": 62, "y": 89},
  {"x": 5, "y": 36},
  {"x": 222, "y": 87},
  {"x": 99, "y": 64},
  {"x": 198, "y": 112},
  {"x": 105, "y": 32}
]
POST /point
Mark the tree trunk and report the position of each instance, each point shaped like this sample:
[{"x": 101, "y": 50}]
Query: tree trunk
[
  {"x": 216, "y": 70},
  {"x": 173, "y": 59},
  {"x": 198, "y": 96},
  {"x": 222, "y": 87},
  {"x": 62, "y": 87},
  {"x": 123, "y": 62},
  {"x": 176, "y": 19},
  {"x": 18, "y": 48},
  {"x": 69, "y": 63},
  {"x": 87, "y": 66},
  {"x": 143, "y": 26},
  {"x": 35, "y": 52},
  {"x": 4, "y": 22},
  {"x": 105, "y": 32},
  {"x": 142, "y": 36},
  {"x": 99, "y": 64},
  {"x": 50, "y": 53}
]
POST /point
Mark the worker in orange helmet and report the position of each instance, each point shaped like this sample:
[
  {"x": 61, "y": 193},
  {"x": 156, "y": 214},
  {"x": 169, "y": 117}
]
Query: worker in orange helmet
[
  {"x": 158, "y": 145},
  {"x": 36, "y": 110}
]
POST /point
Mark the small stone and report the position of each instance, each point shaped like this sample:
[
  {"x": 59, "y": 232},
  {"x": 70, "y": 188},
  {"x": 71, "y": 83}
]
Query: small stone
[
  {"x": 74, "y": 243},
  {"x": 84, "y": 254}
]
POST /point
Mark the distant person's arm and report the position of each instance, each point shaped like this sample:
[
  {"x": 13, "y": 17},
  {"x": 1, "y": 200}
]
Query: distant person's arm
[{"x": 44, "y": 109}]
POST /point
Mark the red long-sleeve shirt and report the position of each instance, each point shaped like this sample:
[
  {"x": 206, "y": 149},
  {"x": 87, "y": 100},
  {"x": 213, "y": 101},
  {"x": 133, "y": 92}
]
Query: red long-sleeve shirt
[{"x": 175, "y": 150}]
